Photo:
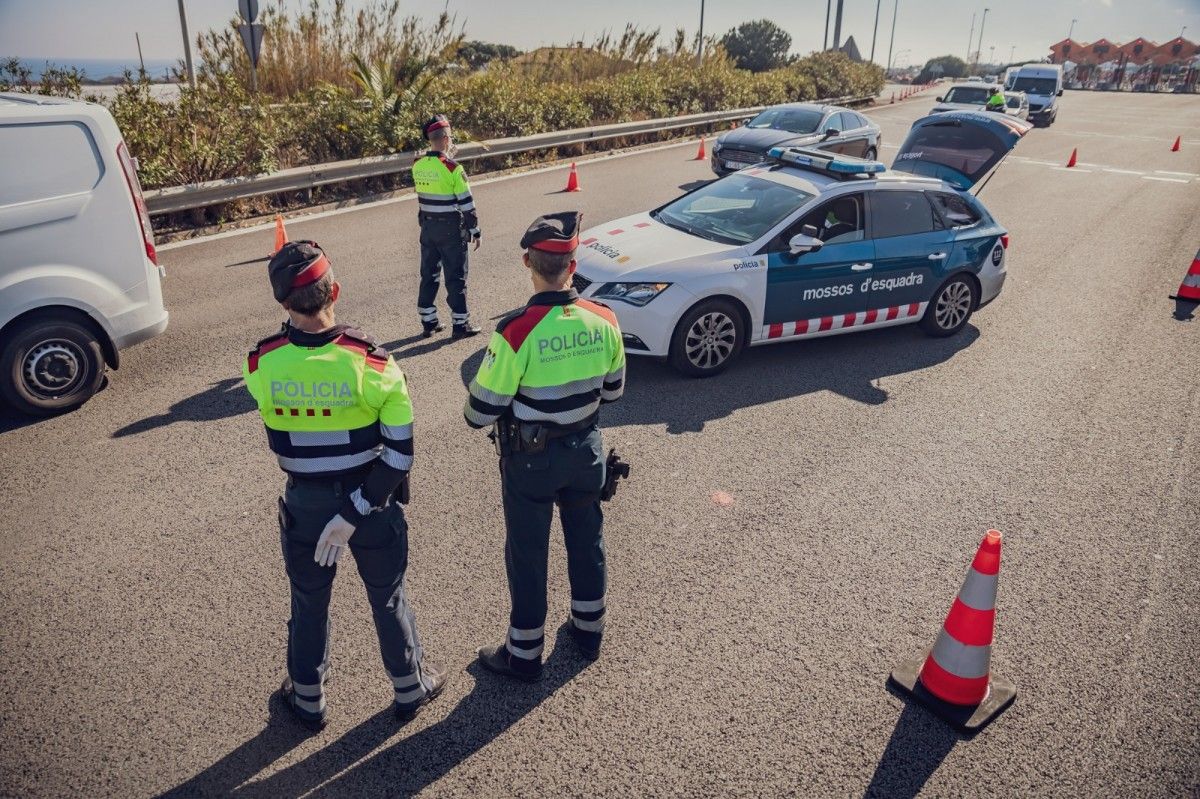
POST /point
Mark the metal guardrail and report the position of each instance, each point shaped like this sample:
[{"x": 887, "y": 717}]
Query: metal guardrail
[{"x": 214, "y": 192}]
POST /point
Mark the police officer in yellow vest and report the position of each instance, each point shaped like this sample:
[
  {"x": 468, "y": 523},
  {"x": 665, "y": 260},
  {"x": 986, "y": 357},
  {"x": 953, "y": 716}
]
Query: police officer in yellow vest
[
  {"x": 339, "y": 420},
  {"x": 547, "y": 369},
  {"x": 448, "y": 220}
]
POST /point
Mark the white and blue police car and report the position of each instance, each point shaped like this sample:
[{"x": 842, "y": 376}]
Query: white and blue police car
[{"x": 806, "y": 244}]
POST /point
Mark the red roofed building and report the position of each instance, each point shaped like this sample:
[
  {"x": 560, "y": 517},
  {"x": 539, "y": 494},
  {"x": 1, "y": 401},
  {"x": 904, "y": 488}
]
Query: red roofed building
[{"x": 1140, "y": 64}]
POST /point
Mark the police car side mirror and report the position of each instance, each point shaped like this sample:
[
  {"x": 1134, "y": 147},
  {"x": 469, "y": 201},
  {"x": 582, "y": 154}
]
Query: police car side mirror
[
  {"x": 802, "y": 242},
  {"x": 940, "y": 100}
]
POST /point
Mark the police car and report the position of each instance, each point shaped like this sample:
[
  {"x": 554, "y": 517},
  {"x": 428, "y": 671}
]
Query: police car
[{"x": 808, "y": 244}]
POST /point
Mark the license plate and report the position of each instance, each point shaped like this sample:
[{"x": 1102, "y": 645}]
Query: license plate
[{"x": 736, "y": 165}]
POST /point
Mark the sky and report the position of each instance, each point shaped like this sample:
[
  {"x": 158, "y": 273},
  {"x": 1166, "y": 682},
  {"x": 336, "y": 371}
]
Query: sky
[{"x": 62, "y": 30}]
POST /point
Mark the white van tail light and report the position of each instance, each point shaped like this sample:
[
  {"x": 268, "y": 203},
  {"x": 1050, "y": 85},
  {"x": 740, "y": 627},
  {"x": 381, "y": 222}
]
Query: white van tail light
[{"x": 135, "y": 189}]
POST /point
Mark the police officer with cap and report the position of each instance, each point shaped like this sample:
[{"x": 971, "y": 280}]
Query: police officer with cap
[
  {"x": 339, "y": 420},
  {"x": 547, "y": 369},
  {"x": 447, "y": 217}
]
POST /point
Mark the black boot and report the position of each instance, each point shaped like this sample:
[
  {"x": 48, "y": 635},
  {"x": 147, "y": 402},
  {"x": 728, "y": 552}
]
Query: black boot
[
  {"x": 465, "y": 330},
  {"x": 497, "y": 659},
  {"x": 435, "y": 675},
  {"x": 588, "y": 642},
  {"x": 429, "y": 328},
  {"x": 314, "y": 722}
]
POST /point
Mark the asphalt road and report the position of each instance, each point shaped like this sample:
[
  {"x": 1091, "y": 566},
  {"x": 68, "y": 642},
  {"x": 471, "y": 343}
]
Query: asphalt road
[{"x": 144, "y": 600}]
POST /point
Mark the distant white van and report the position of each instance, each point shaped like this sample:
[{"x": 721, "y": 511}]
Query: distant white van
[
  {"x": 1043, "y": 84},
  {"x": 79, "y": 277}
]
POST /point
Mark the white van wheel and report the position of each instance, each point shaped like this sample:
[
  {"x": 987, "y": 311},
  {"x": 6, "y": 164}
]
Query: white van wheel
[{"x": 50, "y": 365}]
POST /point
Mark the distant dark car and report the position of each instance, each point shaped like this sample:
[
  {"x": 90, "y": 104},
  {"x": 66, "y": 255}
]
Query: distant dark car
[{"x": 825, "y": 127}]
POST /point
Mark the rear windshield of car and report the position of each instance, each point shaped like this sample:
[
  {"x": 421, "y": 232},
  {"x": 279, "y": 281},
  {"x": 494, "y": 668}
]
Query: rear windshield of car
[
  {"x": 1036, "y": 85},
  {"x": 1014, "y": 102},
  {"x": 967, "y": 149},
  {"x": 793, "y": 120},
  {"x": 737, "y": 209},
  {"x": 967, "y": 94}
]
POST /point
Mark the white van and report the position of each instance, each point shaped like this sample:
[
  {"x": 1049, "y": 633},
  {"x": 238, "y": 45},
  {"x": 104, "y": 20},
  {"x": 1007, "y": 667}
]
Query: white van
[
  {"x": 1043, "y": 84},
  {"x": 79, "y": 277}
]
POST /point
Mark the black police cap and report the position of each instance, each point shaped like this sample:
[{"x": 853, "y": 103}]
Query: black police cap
[
  {"x": 297, "y": 264},
  {"x": 553, "y": 232},
  {"x": 436, "y": 122}
]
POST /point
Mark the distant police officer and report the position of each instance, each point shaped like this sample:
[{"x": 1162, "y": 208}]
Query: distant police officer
[
  {"x": 447, "y": 216},
  {"x": 546, "y": 371},
  {"x": 995, "y": 100},
  {"x": 339, "y": 420}
]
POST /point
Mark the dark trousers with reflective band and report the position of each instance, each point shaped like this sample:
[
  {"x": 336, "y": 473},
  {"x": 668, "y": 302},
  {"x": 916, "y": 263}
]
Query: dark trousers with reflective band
[
  {"x": 571, "y": 473},
  {"x": 380, "y": 550},
  {"x": 443, "y": 249}
]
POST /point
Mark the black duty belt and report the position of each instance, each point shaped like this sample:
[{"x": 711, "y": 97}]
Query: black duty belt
[
  {"x": 513, "y": 435},
  {"x": 452, "y": 218}
]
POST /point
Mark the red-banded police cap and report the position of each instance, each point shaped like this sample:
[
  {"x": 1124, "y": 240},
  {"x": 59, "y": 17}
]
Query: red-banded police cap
[
  {"x": 553, "y": 233},
  {"x": 437, "y": 122},
  {"x": 297, "y": 264}
]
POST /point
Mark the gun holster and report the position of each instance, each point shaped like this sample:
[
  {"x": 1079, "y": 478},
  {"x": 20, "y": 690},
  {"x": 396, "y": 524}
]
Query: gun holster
[
  {"x": 402, "y": 493},
  {"x": 614, "y": 469}
]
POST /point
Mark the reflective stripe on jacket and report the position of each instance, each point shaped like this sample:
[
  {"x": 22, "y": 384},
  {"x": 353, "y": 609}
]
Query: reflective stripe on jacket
[{"x": 442, "y": 188}]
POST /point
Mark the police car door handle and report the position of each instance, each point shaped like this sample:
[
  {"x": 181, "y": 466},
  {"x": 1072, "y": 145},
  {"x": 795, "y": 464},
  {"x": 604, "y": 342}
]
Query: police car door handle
[
  {"x": 937, "y": 256},
  {"x": 861, "y": 267}
]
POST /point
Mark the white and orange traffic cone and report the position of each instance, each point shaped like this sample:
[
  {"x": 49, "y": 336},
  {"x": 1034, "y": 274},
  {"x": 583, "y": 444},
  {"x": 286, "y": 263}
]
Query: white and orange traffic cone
[
  {"x": 1188, "y": 296},
  {"x": 1071, "y": 160},
  {"x": 572, "y": 179},
  {"x": 701, "y": 154},
  {"x": 954, "y": 681},
  {"x": 281, "y": 237}
]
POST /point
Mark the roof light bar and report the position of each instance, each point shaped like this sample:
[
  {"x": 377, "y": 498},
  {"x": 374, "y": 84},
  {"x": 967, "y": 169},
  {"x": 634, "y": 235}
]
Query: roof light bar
[{"x": 828, "y": 163}]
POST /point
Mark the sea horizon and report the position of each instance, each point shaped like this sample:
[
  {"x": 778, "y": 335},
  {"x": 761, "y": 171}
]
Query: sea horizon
[{"x": 97, "y": 69}]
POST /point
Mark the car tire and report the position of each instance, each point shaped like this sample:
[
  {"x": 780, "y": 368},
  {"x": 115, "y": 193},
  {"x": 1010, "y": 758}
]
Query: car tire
[
  {"x": 707, "y": 339},
  {"x": 871, "y": 154},
  {"x": 951, "y": 307},
  {"x": 50, "y": 365}
]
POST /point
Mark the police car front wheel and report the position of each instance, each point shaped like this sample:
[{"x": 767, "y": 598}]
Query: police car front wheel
[
  {"x": 707, "y": 339},
  {"x": 50, "y": 365},
  {"x": 951, "y": 307}
]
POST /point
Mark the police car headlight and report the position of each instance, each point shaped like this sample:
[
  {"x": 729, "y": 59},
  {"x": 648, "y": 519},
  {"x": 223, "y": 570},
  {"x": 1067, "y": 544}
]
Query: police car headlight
[{"x": 633, "y": 293}]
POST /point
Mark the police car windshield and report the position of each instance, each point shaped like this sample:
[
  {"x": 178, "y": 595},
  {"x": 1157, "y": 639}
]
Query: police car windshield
[
  {"x": 973, "y": 95},
  {"x": 793, "y": 120},
  {"x": 1036, "y": 85},
  {"x": 737, "y": 209}
]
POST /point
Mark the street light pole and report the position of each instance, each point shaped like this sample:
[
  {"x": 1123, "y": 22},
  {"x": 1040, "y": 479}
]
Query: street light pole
[
  {"x": 979, "y": 48},
  {"x": 1072, "y": 28},
  {"x": 970, "y": 37},
  {"x": 895, "y": 9},
  {"x": 837, "y": 25},
  {"x": 700, "y": 43},
  {"x": 876, "y": 31},
  {"x": 1011, "y": 52},
  {"x": 991, "y": 55},
  {"x": 828, "y": 9},
  {"x": 187, "y": 44}
]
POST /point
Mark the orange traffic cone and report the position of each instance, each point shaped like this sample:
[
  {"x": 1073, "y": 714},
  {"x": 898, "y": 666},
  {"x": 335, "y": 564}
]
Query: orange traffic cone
[
  {"x": 701, "y": 155},
  {"x": 1071, "y": 160},
  {"x": 572, "y": 179},
  {"x": 281, "y": 237},
  {"x": 1175, "y": 146},
  {"x": 893, "y": 98},
  {"x": 1189, "y": 291},
  {"x": 954, "y": 680}
]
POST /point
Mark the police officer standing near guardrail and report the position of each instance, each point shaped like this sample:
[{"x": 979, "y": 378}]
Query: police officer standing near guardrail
[
  {"x": 339, "y": 420},
  {"x": 546, "y": 371},
  {"x": 448, "y": 220}
]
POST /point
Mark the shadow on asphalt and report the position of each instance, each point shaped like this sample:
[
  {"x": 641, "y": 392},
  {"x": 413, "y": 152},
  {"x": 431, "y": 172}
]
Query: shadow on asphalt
[
  {"x": 404, "y": 768},
  {"x": 849, "y": 365},
  {"x": 221, "y": 400},
  {"x": 918, "y": 745}
]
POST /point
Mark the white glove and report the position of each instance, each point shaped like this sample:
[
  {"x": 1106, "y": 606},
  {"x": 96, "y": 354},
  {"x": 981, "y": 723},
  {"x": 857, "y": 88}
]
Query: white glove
[{"x": 333, "y": 540}]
